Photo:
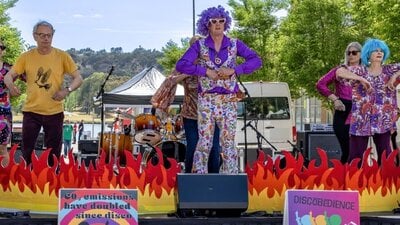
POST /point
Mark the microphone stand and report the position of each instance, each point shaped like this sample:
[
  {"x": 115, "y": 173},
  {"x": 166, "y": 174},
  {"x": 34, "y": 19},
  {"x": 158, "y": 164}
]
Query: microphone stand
[
  {"x": 246, "y": 95},
  {"x": 259, "y": 135},
  {"x": 100, "y": 94}
]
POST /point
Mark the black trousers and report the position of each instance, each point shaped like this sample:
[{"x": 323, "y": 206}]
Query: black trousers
[{"x": 342, "y": 129}]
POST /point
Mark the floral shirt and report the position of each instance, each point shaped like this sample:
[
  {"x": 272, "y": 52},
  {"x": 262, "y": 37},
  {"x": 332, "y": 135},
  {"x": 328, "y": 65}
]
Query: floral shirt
[
  {"x": 189, "y": 109},
  {"x": 165, "y": 94},
  {"x": 4, "y": 96},
  {"x": 373, "y": 112},
  {"x": 5, "y": 108}
]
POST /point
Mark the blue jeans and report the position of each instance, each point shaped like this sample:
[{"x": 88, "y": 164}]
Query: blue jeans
[
  {"x": 67, "y": 147},
  {"x": 192, "y": 136}
]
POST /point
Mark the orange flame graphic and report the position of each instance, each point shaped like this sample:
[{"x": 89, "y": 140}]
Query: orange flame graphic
[{"x": 267, "y": 179}]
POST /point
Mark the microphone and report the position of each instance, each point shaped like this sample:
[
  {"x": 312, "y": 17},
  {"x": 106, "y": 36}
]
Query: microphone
[
  {"x": 153, "y": 111},
  {"x": 247, "y": 124}
]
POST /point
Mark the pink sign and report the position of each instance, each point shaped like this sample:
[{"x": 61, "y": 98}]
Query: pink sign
[
  {"x": 314, "y": 207},
  {"x": 97, "y": 206}
]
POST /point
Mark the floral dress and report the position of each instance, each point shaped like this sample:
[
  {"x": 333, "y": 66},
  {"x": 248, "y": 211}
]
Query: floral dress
[
  {"x": 373, "y": 112},
  {"x": 5, "y": 108}
]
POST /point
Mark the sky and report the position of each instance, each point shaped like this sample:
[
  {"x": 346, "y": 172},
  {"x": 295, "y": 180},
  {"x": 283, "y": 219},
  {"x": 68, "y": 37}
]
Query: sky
[{"x": 104, "y": 24}]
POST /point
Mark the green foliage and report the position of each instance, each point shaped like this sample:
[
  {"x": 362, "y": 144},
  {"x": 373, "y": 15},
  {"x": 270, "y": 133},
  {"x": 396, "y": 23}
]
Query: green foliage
[
  {"x": 314, "y": 41},
  {"x": 4, "y": 6},
  {"x": 379, "y": 19},
  {"x": 256, "y": 26},
  {"x": 125, "y": 63},
  {"x": 11, "y": 38},
  {"x": 84, "y": 96},
  {"x": 172, "y": 53}
]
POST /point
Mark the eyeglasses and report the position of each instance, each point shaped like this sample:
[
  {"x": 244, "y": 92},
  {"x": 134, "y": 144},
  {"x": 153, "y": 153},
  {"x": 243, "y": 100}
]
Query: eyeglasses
[
  {"x": 43, "y": 35},
  {"x": 2, "y": 47},
  {"x": 352, "y": 52},
  {"x": 214, "y": 21}
]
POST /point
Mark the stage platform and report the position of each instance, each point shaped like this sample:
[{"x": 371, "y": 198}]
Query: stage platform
[{"x": 384, "y": 218}]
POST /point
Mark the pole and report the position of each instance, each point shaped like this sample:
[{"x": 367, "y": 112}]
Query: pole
[
  {"x": 194, "y": 14},
  {"x": 100, "y": 94}
]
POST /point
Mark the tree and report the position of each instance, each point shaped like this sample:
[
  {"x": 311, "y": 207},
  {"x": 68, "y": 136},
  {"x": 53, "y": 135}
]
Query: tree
[
  {"x": 314, "y": 37},
  {"x": 89, "y": 89},
  {"x": 256, "y": 25},
  {"x": 15, "y": 45},
  {"x": 172, "y": 53},
  {"x": 377, "y": 19}
]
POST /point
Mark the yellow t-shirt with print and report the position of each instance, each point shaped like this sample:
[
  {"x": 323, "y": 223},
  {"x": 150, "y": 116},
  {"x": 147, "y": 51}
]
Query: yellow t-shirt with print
[{"x": 44, "y": 77}]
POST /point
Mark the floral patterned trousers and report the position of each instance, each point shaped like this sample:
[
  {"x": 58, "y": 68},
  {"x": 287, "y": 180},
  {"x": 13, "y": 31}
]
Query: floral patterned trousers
[{"x": 220, "y": 110}]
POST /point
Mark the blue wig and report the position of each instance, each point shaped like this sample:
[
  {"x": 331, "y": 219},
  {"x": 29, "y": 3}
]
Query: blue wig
[
  {"x": 214, "y": 12},
  {"x": 372, "y": 45}
]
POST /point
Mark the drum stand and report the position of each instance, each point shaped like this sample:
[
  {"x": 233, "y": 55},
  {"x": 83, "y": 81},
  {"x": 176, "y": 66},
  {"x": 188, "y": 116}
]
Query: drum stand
[
  {"x": 148, "y": 150},
  {"x": 115, "y": 147},
  {"x": 115, "y": 167}
]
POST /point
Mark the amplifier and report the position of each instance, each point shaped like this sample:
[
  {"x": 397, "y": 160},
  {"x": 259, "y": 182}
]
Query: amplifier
[
  {"x": 309, "y": 141},
  {"x": 88, "y": 146}
]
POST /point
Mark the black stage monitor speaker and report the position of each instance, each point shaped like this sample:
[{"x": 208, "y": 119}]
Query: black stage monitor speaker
[
  {"x": 219, "y": 194},
  {"x": 88, "y": 146},
  {"x": 87, "y": 159},
  {"x": 308, "y": 142}
]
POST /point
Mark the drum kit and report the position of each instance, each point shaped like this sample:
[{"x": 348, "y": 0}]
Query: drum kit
[{"x": 146, "y": 131}]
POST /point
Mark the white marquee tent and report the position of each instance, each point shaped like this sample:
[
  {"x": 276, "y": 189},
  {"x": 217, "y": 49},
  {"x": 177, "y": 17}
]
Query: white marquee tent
[{"x": 139, "y": 89}]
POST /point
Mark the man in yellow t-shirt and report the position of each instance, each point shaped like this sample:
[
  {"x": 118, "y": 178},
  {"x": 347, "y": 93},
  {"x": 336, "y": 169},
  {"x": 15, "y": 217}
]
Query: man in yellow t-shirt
[{"x": 44, "y": 68}]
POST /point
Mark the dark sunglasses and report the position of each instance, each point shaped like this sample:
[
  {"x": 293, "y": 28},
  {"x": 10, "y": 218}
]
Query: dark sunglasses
[
  {"x": 352, "y": 52},
  {"x": 2, "y": 47},
  {"x": 214, "y": 21}
]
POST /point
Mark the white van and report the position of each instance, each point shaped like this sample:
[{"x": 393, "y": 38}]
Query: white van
[{"x": 269, "y": 111}]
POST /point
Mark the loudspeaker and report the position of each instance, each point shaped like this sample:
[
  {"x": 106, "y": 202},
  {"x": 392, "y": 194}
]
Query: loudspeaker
[
  {"x": 88, "y": 146},
  {"x": 309, "y": 141},
  {"x": 213, "y": 194},
  {"x": 253, "y": 153},
  {"x": 87, "y": 159}
]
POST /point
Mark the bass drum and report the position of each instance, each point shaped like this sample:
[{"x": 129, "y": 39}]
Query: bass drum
[
  {"x": 173, "y": 149},
  {"x": 170, "y": 150},
  {"x": 116, "y": 142},
  {"x": 147, "y": 129}
]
